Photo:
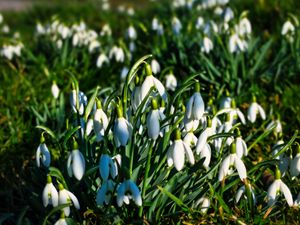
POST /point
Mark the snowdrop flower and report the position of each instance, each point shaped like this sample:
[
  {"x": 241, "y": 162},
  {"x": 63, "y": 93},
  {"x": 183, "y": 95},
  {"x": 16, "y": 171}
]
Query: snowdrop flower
[
  {"x": 42, "y": 154},
  {"x": 199, "y": 22},
  {"x": 126, "y": 191},
  {"x": 155, "y": 66},
  {"x": 210, "y": 28},
  {"x": 105, "y": 193},
  {"x": 295, "y": 164},
  {"x": 235, "y": 113},
  {"x": 237, "y": 44},
  {"x": 241, "y": 191},
  {"x": 107, "y": 167},
  {"x": 122, "y": 129},
  {"x": 130, "y": 11},
  {"x": 149, "y": 82},
  {"x": 226, "y": 127},
  {"x": 55, "y": 90},
  {"x": 244, "y": 27},
  {"x": 89, "y": 127},
  {"x": 218, "y": 11},
  {"x": 102, "y": 58},
  {"x": 50, "y": 194},
  {"x": 177, "y": 151},
  {"x": 241, "y": 146},
  {"x": 65, "y": 197},
  {"x": 254, "y": 109},
  {"x": 279, "y": 186},
  {"x": 195, "y": 106},
  {"x": 176, "y": 25},
  {"x": 153, "y": 121},
  {"x": 288, "y": 29},
  {"x": 171, "y": 82},
  {"x": 225, "y": 102},
  {"x": 5, "y": 29},
  {"x": 131, "y": 33},
  {"x": 190, "y": 139},
  {"x": 228, "y": 14},
  {"x": 106, "y": 30},
  {"x": 277, "y": 126},
  {"x": 154, "y": 24},
  {"x": 76, "y": 162},
  {"x": 118, "y": 53},
  {"x": 202, "y": 140},
  {"x": 100, "y": 122},
  {"x": 62, "y": 220},
  {"x": 40, "y": 29},
  {"x": 1, "y": 18},
  {"x": 232, "y": 160},
  {"x": 190, "y": 124},
  {"x": 206, "y": 45},
  {"x": 205, "y": 152},
  {"x": 82, "y": 101},
  {"x": 204, "y": 203},
  {"x": 94, "y": 44}
]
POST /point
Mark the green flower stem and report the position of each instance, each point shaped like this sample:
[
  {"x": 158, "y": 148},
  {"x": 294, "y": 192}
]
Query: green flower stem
[{"x": 146, "y": 175}]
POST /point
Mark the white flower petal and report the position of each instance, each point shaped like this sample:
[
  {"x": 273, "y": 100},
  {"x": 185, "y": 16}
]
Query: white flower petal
[
  {"x": 189, "y": 153},
  {"x": 201, "y": 141},
  {"x": 287, "y": 193},
  {"x": 239, "y": 193},
  {"x": 178, "y": 155},
  {"x": 240, "y": 167},
  {"x": 153, "y": 124},
  {"x": 121, "y": 194},
  {"x": 224, "y": 168},
  {"x": 261, "y": 112},
  {"x": 78, "y": 165}
]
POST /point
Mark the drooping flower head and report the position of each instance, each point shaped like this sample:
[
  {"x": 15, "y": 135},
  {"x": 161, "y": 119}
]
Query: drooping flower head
[
  {"x": 255, "y": 109},
  {"x": 149, "y": 82},
  {"x": 276, "y": 187},
  {"x": 65, "y": 197},
  {"x": 76, "y": 162},
  {"x": 154, "y": 117},
  {"x": 100, "y": 121},
  {"x": 42, "y": 153},
  {"x": 232, "y": 160},
  {"x": 50, "y": 194},
  {"x": 122, "y": 129},
  {"x": 177, "y": 152},
  {"x": 128, "y": 190},
  {"x": 195, "y": 106}
]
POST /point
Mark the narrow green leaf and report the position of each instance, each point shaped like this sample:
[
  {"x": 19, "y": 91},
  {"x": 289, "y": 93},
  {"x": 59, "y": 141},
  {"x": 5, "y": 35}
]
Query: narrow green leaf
[
  {"x": 90, "y": 104},
  {"x": 56, "y": 173},
  {"x": 173, "y": 197},
  {"x": 48, "y": 131},
  {"x": 69, "y": 134}
]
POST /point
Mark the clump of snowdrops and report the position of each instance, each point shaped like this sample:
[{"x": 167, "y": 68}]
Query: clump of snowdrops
[{"x": 142, "y": 152}]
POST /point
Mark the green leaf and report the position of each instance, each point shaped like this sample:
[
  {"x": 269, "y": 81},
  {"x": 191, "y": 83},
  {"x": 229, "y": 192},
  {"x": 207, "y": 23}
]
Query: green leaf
[
  {"x": 287, "y": 145},
  {"x": 90, "y": 104},
  {"x": 56, "y": 173},
  {"x": 69, "y": 134},
  {"x": 174, "y": 198},
  {"x": 48, "y": 131}
]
